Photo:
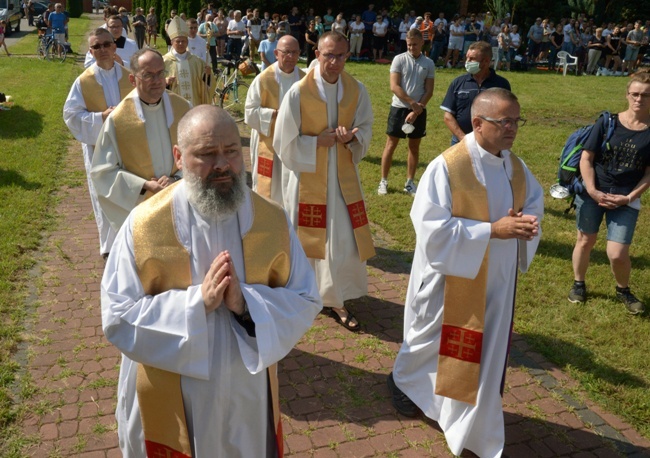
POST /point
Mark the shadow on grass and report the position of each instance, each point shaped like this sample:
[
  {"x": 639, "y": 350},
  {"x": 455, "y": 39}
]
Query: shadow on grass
[
  {"x": 21, "y": 123},
  {"x": 566, "y": 353},
  {"x": 562, "y": 250},
  {"x": 329, "y": 393},
  {"x": 13, "y": 178},
  {"x": 395, "y": 162}
]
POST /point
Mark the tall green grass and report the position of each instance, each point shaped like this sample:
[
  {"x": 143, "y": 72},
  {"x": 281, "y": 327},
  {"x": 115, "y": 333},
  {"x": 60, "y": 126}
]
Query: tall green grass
[{"x": 34, "y": 143}]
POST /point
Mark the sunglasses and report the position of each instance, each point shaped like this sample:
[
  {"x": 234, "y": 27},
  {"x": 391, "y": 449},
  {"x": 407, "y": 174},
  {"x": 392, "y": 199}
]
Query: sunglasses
[{"x": 106, "y": 44}]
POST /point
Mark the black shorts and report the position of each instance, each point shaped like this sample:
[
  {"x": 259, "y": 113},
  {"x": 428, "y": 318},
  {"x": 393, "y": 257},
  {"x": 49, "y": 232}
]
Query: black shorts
[{"x": 396, "y": 118}]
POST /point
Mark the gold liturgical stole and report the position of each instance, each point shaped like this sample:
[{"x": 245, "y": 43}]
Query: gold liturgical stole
[
  {"x": 270, "y": 98},
  {"x": 163, "y": 263},
  {"x": 132, "y": 136},
  {"x": 459, "y": 361},
  {"x": 312, "y": 197},
  {"x": 191, "y": 83},
  {"x": 93, "y": 92}
]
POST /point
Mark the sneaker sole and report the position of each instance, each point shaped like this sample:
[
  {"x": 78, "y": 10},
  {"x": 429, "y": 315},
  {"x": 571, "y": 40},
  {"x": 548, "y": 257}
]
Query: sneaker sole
[{"x": 576, "y": 301}]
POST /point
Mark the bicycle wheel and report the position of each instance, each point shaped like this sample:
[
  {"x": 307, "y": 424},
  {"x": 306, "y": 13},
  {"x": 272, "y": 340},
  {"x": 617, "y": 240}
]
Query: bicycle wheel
[
  {"x": 52, "y": 52},
  {"x": 41, "y": 49},
  {"x": 233, "y": 99}
]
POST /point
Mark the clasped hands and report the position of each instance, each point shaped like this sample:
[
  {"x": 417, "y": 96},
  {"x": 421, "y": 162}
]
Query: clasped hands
[
  {"x": 221, "y": 286},
  {"x": 609, "y": 201},
  {"x": 515, "y": 226},
  {"x": 329, "y": 137}
]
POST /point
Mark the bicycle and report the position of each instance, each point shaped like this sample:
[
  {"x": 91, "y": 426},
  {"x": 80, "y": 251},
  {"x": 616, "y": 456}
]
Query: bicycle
[
  {"x": 48, "y": 46},
  {"x": 231, "y": 90}
]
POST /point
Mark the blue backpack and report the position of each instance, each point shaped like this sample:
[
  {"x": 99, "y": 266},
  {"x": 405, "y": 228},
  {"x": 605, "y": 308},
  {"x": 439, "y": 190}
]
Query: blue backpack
[{"x": 568, "y": 174}]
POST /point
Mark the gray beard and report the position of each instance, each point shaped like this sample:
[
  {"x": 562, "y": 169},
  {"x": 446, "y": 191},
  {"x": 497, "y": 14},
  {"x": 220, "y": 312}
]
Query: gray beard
[{"x": 215, "y": 201}]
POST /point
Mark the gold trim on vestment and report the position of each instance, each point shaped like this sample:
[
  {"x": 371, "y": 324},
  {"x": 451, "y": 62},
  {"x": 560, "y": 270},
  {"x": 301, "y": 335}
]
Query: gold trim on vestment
[
  {"x": 313, "y": 189},
  {"x": 163, "y": 263},
  {"x": 269, "y": 98},
  {"x": 132, "y": 136},
  {"x": 93, "y": 92},
  {"x": 203, "y": 86},
  {"x": 465, "y": 299}
]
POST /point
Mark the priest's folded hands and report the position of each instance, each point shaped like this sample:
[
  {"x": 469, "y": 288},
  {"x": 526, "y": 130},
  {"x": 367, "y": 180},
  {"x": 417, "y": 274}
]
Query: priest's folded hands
[
  {"x": 515, "y": 226},
  {"x": 221, "y": 285}
]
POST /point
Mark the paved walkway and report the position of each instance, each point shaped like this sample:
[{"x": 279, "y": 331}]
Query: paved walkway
[{"x": 334, "y": 396}]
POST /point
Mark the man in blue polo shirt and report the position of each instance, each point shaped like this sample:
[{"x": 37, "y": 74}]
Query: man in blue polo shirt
[
  {"x": 57, "y": 21},
  {"x": 462, "y": 91}
]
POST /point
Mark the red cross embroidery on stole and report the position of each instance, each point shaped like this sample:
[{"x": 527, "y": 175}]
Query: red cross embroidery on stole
[
  {"x": 461, "y": 343},
  {"x": 312, "y": 215},
  {"x": 358, "y": 215},
  {"x": 156, "y": 450},
  {"x": 265, "y": 166}
]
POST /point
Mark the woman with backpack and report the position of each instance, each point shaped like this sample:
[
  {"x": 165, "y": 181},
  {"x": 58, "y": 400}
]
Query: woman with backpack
[{"x": 614, "y": 178}]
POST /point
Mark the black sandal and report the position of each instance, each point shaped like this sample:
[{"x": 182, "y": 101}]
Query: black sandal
[{"x": 346, "y": 323}]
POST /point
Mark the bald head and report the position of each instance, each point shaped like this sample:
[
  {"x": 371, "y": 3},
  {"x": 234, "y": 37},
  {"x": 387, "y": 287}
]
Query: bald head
[
  {"x": 203, "y": 119},
  {"x": 495, "y": 119},
  {"x": 485, "y": 101},
  {"x": 287, "y": 53}
]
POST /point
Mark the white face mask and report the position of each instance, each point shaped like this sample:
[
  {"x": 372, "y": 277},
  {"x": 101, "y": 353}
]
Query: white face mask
[
  {"x": 473, "y": 67},
  {"x": 271, "y": 36}
]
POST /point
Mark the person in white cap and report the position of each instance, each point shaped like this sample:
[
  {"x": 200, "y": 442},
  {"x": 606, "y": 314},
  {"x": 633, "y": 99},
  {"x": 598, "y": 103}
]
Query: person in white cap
[{"x": 188, "y": 75}]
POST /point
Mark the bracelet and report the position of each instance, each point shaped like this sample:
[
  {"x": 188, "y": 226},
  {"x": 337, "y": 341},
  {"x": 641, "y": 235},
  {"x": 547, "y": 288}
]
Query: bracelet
[{"x": 629, "y": 199}]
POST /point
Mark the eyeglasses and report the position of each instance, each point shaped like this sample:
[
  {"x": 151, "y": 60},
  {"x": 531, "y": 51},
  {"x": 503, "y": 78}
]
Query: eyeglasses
[
  {"x": 636, "y": 95},
  {"x": 153, "y": 76},
  {"x": 334, "y": 56},
  {"x": 506, "y": 123},
  {"x": 106, "y": 44},
  {"x": 289, "y": 53}
]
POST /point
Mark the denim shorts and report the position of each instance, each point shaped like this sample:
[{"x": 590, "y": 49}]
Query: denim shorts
[{"x": 620, "y": 221}]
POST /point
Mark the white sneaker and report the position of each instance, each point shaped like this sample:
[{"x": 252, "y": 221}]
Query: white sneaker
[
  {"x": 625, "y": 73},
  {"x": 448, "y": 64},
  {"x": 618, "y": 74},
  {"x": 382, "y": 190},
  {"x": 410, "y": 188},
  {"x": 604, "y": 72}
]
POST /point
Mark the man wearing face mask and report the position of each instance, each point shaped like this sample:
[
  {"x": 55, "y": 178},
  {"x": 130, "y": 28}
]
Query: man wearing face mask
[
  {"x": 267, "y": 47},
  {"x": 462, "y": 90}
]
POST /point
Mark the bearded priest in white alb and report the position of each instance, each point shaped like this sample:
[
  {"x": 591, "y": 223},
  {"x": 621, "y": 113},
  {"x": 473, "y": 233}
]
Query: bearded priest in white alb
[
  {"x": 187, "y": 74},
  {"x": 262, "y": 104},
  {"x": 323, "y": 131},
  {"x": 93, "y": 96},
  {"x": 206, "y": 289},
  {"x": 133, "y": 157},
  {"x": 477, "y": 215}
]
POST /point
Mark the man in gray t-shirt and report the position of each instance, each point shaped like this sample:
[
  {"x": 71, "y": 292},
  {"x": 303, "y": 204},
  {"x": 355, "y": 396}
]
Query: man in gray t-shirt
[
  {"x": 634, "y": 40},
  {"x": 411, "y": 81}
]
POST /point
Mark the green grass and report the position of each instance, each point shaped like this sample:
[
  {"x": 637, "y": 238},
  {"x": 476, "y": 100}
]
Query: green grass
[
  {"x": 598, "y": 343},
  {"x": 35, "y": 141}
]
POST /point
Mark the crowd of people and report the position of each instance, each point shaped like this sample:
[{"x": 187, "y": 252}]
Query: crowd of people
[
  {"x": 607, "y": 49},
  {"x": 208, "y": 284}
]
